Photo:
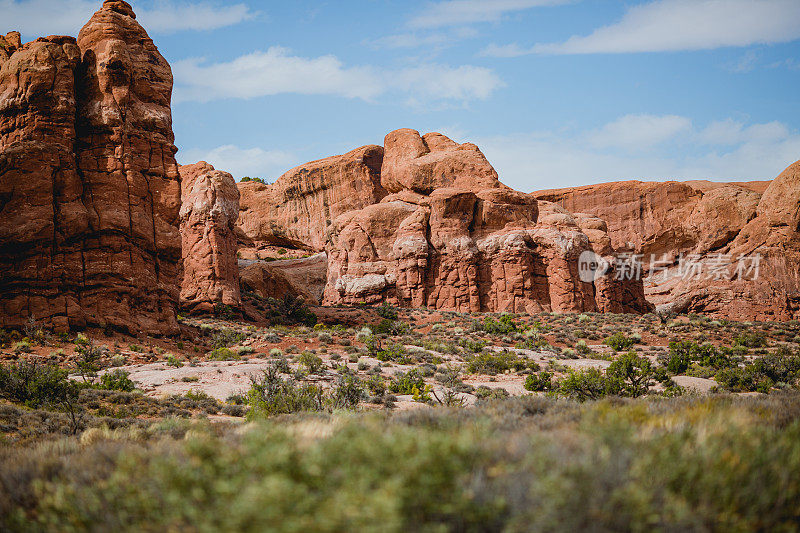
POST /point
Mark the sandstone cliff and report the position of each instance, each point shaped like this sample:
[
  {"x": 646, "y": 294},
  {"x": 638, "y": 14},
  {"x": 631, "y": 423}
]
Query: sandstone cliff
[
  {"x": 89, "y": 186},
  {"x": 452, "y": 237},
  {"x": 297, "y": 209},
  {"x": 701, "y": 241}
]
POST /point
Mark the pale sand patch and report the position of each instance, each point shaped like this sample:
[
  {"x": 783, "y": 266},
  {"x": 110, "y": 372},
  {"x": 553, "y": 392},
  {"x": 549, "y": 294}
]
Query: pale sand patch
[{"x": 698, "y": 384}]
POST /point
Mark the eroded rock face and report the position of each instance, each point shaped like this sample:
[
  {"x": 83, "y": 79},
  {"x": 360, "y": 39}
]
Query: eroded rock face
[
  {"x": 89, "y": 187},
  {"x": 452, "y": 237},
  {"x": 424, "y": 163},
  {"x": 209, "y": 210},
  {"x": 706, "y": 237},
  {"x": 298, "y": 208},
  {"x": 663, "y": 218},
  {"x": 772, "y": 290}
]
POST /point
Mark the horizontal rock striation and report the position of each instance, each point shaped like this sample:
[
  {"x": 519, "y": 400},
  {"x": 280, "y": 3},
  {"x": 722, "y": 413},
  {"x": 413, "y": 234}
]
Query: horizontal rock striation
[{"x": 89, "y": 186}]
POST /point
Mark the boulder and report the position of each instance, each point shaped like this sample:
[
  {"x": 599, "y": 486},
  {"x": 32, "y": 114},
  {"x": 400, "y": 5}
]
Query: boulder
[{"x": 209, "y": 210}]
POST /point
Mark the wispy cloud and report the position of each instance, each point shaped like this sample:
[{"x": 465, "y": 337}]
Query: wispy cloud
[
  {"x": 241, "y": 162},
  {"x": 48, "y": 17},
  {"x": 679, "y": 25},
  {"x": 460, "y": 12},
  {"x": 417, "y": 39},
  {"x": 723, "y": 150},
  {"x": 635, "y": 132},
  {"x": 277, "y": 71}
]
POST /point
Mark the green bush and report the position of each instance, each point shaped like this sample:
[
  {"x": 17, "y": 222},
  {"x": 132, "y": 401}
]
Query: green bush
[
  {"x": 503, "y": 326},
  {"x": 312, "y": 362},
  {"x": 539, "y": 382},
  {"x": 270, "y": 395},
  {"x": 117, "y": 380},
  {"x": 410, "y": 382},
  {"x": 223, "y": 354},
  {"x": 754, "y": 339},
  {"x": 636, "y": 374},
  {"x": 290, "y": 310},
  {"x": 387, "y": 311},
  {"x": 588, "y": 384},
  {"x": 619, "y": 342},
  {"x": 490, "y": 362},
  {"x": 396, "y": 353}
]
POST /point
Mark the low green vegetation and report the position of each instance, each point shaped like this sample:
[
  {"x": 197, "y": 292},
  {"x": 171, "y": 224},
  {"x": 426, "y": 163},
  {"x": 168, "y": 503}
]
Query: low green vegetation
[{"x": 526, "y": 464}]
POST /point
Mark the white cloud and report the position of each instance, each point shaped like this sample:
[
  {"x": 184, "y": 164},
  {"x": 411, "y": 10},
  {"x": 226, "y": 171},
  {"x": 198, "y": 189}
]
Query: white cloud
[
  {"x": 241, "y": 162},
  {"x": 276, "y": 71},
  {"x": 458, "y": 12},
  {"x": 169, "y": 16},
  {"x": 635, "y": 132},
  {"x": 67, "y": 17},
  {"x": 679, "y": 25},
  {"x": 726, "y": 150},
  {"x": 428, "y": 40}
]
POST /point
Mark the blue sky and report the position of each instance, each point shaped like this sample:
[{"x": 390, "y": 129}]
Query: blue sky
[{"x": 555, "y": 92}]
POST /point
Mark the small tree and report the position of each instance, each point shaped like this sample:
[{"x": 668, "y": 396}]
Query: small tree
[
  {"x": 635, "y": 373},
  {"x": 588, "y": 384}
]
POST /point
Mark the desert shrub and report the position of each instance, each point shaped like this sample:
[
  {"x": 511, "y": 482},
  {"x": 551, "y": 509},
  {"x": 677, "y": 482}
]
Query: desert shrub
[
  {"x": 503, "y": 326},
  {"x": 395, "y": 353},
  {"x": 635, "y": 374},
  {"x": 270, "y": 395},
  {"x": 490, "y": 362},
  {"x": 588, "y": 384},
  {"x": 488, "y": 393},
  {"x": 524, "y": 464},
  {"x": 290, "y": 310},
  {"x": 410, "y": 382},
  {"x": 471, "y": 345},
  {"x": 390, "y": 327},
  {"x": 226, "y": 338},
  {"x": 387, "y": 311},
  {"x": 682, "y": 354},
  {"x": 762, "y": 374},
  {"x": 35, "y": 385},
  {"x": 347, "y": 392},
  {"x": 539, "y": 382},
  {"x": 755, "y": 339},
  {"x": 619, "y": 341},
  {"x": 117, "y": 380},
  {"x": 223, "y": 354},
  {"x": 312, "y": 362}
]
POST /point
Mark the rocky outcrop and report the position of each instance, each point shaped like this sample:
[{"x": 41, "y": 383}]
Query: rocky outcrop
[
  {"x": 89, "y": 186},
  {"x": 425, "y": 163},
  {"x": 723, "y": 249},
  {"x": 298, "y": 208},
  {"x": 453, "y": 237},
  {"x": 757, "y": 275},
  {"x": 209, "y": 210},
  {"x": 652, "y": 218}
]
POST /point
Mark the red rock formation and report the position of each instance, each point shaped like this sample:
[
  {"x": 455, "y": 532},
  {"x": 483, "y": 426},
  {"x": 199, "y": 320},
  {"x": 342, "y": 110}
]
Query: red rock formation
[
  {"x": 209, "y": 210},
  {"x": 773, "y": 237},
  {"x": 701, "y": 230},
  {"x": 424, "y": 163},
  {"x": 299, "y": 207},
  {"x": 453, "y": 237},
  {"x": 657, "y": 218},
  {"x": 89, "y": 187}
]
